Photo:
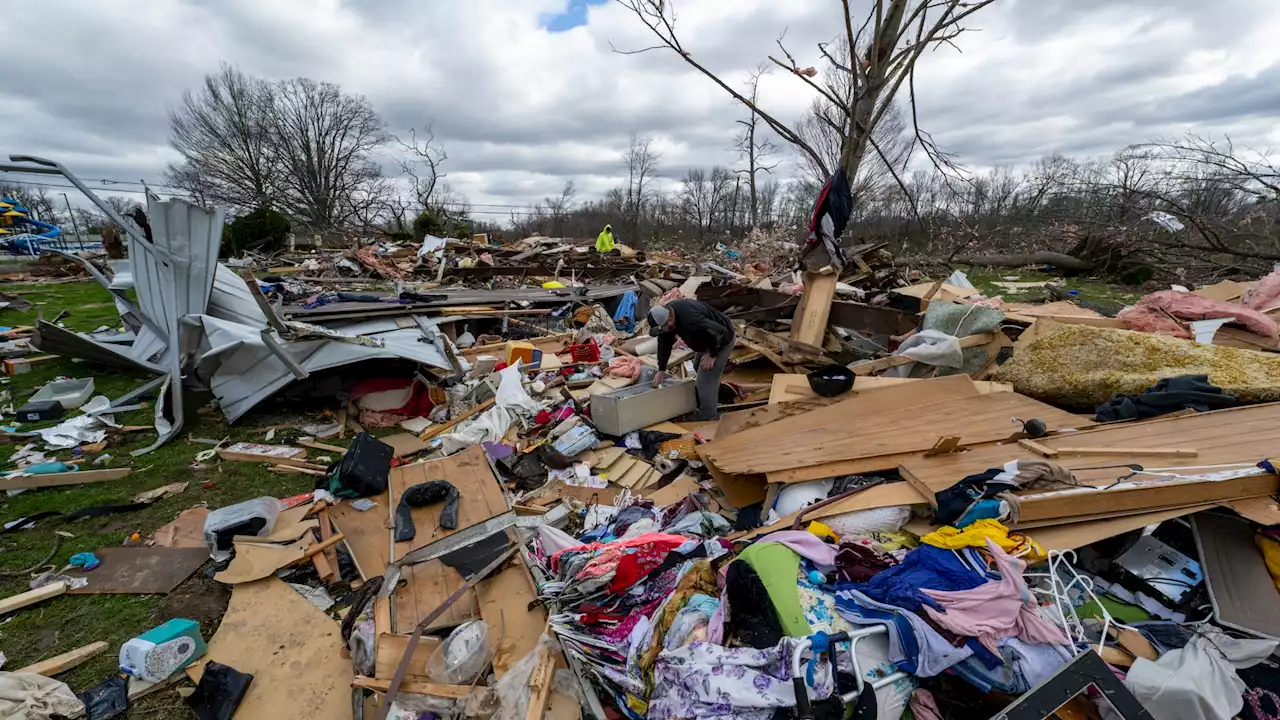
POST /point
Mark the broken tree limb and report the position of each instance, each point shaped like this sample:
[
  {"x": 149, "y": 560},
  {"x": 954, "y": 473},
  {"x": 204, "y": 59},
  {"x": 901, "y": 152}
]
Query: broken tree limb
[{"x": 1043, "y": 257}]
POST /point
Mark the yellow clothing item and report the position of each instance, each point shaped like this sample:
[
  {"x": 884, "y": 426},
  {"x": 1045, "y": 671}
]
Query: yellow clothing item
[
  {"x": 976, "y": 535},
  {"x": 1271, "y": 553},
  {"x": 604, "y": 241}
]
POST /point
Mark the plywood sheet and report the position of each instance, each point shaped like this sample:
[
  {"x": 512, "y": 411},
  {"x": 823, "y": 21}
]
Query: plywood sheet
[
  {"x": 1077, "y": 535},
  {"x": 1239, "y": 435},
  {"x": 1262, "y": 510},
  {"x": 255, "y": 562},
  {"x": 480, "y": 494},
  {"x": 675, "y": 492},
  {"x": 869, "y": 431},
  {"x": 405, "y": 443},
  {"x": 187, "y": 531},
  {"x": 367, "y": 536},
  {"x": 753, "y": 428},
  {"x": 293, "y": 650},
  {"x": 427, "y": 585},
  {"x": 141, "y": 570}
]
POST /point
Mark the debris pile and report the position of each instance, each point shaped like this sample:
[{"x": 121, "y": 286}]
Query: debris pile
[{"x": 558, "y": 483}]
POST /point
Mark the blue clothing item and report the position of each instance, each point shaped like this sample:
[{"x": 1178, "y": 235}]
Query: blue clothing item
[
  {"x": 926, "y": 567},
  {"x": 1025, "y": 666},
  {"x": 989, "y": 509},
  {"x": 913, "y": 645},
  {"x": 624, "y": 318}
]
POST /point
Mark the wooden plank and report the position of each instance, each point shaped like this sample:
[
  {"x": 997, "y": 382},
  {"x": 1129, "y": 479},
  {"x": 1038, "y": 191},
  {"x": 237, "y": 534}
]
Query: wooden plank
[
  {"x": 389, "y": 651},
  {"x": 326, "y": 563},
  {"x": 1236, "y": 435},
  {"x": 294, "y": 651},
  {"x": 64, "y": 662},
  {"x": 255, "y": 562},
  {"x": 857, "y": 466},
  {"x": 429, "y": 583},
  {"x": 58, "y": 479},
  {"x": 810, "y": 323},
  {"x": 884, "y": 431},
  {"x": 427, "y": 586},
  {"x": 1077, "y": 535},
  {"x": 322, "y": 446},
  {"x": 540, "y": 685},
  {"x": 367, "y": 536},
  {"x": 1127, "y": 451},
  {"x": 435, "y": 430},
  {"x": 801, "y": 417},
  {"x": 673, "y": 493},
  {"x": 453, "y": 692},
  {"x": 1037, "y": 448}
]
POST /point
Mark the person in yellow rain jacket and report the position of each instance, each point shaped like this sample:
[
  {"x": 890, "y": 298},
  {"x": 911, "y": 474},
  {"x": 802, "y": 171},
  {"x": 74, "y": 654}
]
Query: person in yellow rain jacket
[{"x": 604, "y": 241}]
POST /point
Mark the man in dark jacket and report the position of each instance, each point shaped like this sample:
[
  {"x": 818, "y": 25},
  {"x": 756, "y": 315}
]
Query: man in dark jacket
[{"x": 707, "y": 332}]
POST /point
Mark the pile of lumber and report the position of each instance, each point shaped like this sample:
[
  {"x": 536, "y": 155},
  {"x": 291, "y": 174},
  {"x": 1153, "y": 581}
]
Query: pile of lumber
[{"x": 934, "y": 433}]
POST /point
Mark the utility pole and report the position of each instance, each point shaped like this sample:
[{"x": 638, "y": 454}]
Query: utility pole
[{"x": 74, "y": 223}]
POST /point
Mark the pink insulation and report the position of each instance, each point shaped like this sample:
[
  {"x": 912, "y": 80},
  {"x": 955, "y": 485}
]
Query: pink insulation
[
  {"x": 1265, "y": 295},
  {"x": 1149, "y": 314}
]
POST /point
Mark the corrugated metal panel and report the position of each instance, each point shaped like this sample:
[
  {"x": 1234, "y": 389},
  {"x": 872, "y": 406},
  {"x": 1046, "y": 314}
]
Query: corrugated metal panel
[
  {"x": 231, "y": 299},
  {"x": 242, "y": 372}
]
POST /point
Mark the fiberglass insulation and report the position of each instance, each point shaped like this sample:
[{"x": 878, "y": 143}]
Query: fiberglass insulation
[{"x": 1082, "y": 366}]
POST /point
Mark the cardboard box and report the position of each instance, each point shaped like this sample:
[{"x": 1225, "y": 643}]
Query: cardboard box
[{"x": 639, "y": 406}]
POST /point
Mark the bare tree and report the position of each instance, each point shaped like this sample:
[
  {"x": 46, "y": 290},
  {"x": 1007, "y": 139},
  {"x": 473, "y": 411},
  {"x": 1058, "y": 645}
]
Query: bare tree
[
  {"x": 753, "y": 145},
  {"x": 324, "y": 140},
  {"x": 704, "y": 196},
  {"x": 642, "y": 173},
  {"x": 877, "y": 60},
  {"x": 224, "y": 134},
  {"x": 423, "y": 163},
  {"x": 559, "y": 207}
]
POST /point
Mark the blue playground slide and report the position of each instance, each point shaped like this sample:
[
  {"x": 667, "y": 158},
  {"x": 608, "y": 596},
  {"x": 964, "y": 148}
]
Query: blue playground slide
[{"x": 27, "y": 232}]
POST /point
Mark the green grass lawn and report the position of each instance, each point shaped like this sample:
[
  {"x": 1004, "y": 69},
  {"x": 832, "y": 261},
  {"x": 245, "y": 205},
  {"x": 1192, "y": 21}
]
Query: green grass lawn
[
  {"x": 65, "y": 623},
  {"x": 984, "y": 279}
]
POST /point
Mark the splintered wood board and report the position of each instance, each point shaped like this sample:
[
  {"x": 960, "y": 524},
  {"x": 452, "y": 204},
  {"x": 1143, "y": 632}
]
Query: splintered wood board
[
  {"x": 429, "y": 583},
  {"x": 810, "y": 324},
  {"x": 293, "y": 650},
  {"x": 1238, "y": 435},
  {"x": 367, "y": 536},
  {"x": 882, "y": 431},
  {"x": 841, "y": 414}
]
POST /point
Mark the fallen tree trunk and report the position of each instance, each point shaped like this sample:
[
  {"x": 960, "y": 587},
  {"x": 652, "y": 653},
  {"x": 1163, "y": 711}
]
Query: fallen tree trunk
[{"x": 1044, "y": 257}]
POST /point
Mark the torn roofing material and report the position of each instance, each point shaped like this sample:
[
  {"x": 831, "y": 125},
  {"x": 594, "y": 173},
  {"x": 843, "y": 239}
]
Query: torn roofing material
[{"x": 242, "y": 371}]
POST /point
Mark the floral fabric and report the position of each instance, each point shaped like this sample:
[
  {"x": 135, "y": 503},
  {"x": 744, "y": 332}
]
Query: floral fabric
[{"x": 702, "y": 681}]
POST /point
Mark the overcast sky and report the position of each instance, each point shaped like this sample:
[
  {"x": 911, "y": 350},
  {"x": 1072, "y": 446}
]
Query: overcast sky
[{"x": 526, "y": 94}]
